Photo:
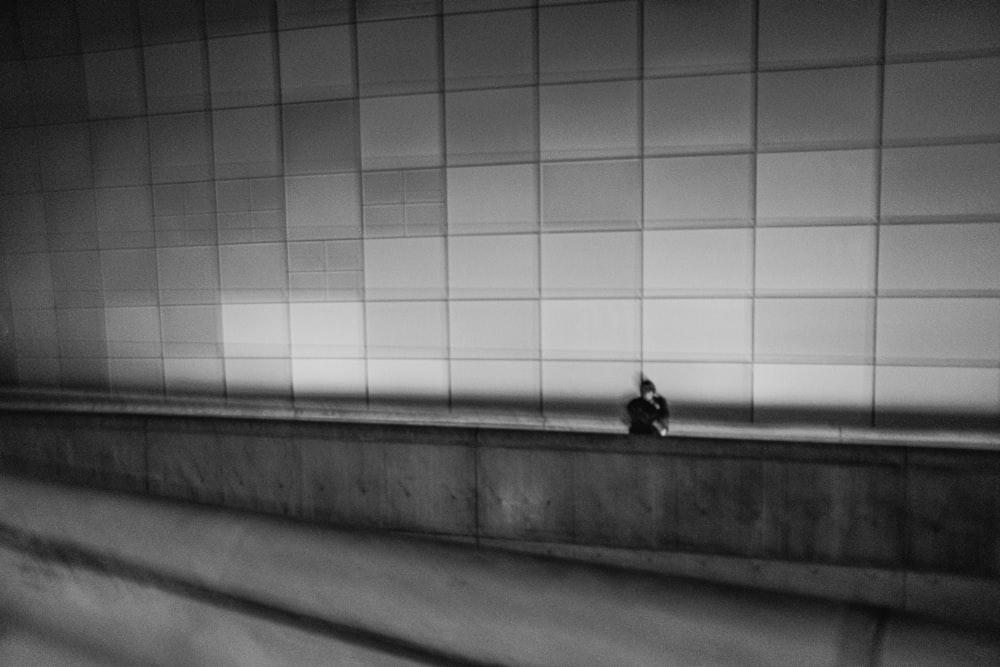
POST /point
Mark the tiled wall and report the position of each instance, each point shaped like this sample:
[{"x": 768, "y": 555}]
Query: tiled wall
[{"x": 774, "y": 209}]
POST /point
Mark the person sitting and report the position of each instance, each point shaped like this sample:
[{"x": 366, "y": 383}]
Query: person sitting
[{"x": 648, "y": 412}]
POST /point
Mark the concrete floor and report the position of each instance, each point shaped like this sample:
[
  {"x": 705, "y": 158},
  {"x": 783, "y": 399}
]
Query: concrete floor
[{"x": 97, "y": 578}]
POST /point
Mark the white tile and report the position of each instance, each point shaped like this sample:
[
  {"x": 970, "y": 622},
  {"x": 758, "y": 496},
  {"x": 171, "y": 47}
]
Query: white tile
[
  {"x": 114, "y": 83},
  {"x": 591, "y": 264},
  {"x": 192, "y": 332},
  {"x": 698, "y": 37},
  {"x": 255, "y": 330},
  {"x": 594, "y": 41},
  {"x": 941, "y": 183},
  {"x": 591, "y": 195},
  {"x": 320, "y": 137},
  {"x": 493, "y": 199},
  {"x": 816, "y": 260},
  {"x": 496, "y": 384},
  {"x": 65, "y": 156},
  {"x": 271, "y": 378},
  {"x": 925, "y": 27},
  {"x": 323, "y": 207},
  {"x": 133, "y": 332},
  {"x": 141, "y": 376},
  {"x": 127, "y": 278},
  {"x": 75, "y": 271},
  {"x": 176, "y": 77},
  {"x": 407, "y": 329},
  {"x": 944, "y": 101},
  {"x": 494, "y": 329},
  {"x": 412, "y": 268},
  {"x": 401, "y": 132},
  {"x": 697, "y": 262},
  {"x": 491, "y": 126},
  {"x": 120, "y": 152},
  {"x": 487, "y": 267},
  {"x": 242, "y": 70},
  {"x": 906, "y": 394},
  {"x": 818, "y": 32},
  {"x": 701, "y": 191},
  {"x": 198, "y": 377},
  {"x": 928, "y": 259},
  {"x": 817, "y": 187},
  {"x": 188, "y": 275},
  {"x": 939, "y": 331},
  {"x": 590, "y": 329},
  {"x": 398, "y": 57},
  {"x": 341, "y": 379},
  {"x": 235, "y": 156},
  {"x": 824, "y": 107},
  {"x": 812, "y": 393},
  {"x": 589, "y": 120},
  {"x": 814, "y": 330},
  {"x": 489, "y": 50},
  {"x": 698, "y": 113},
  {"x": 124, "y": 217},
  {"x": 180, "y": 147},
  {"x": 253, "y": 271},
  {"x": 588, "y": 388},
  {"x": 58, "y": 88},
  {"x": 696, "y": 329},
  {"x": 408, "y": 383},
  {"x": 327, "y": 330},
  {"x": 71, "y": 220},
  {"x": 316, "y": 64}
]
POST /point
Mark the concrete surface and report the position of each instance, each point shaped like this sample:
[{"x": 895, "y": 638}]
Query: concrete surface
[
  {"x": 910, "y": 528},
  {"x": 168, "y": 583}
]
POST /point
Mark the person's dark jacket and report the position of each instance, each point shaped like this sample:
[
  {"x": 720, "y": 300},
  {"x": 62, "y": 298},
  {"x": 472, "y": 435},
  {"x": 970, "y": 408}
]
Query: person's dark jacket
[{"x": 642, "y": 414}]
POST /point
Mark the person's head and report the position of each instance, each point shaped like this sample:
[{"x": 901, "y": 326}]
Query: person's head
[{"x": 647, "y": 390}]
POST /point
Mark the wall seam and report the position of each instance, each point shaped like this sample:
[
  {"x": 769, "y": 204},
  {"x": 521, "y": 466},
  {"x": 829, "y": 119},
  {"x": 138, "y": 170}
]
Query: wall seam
[
  {"x": 755, "y": 83},
  {"x": 152, "y": 210},
  {"x": 539, "y": 196},
  {"x": 443, "y": 101},
  {"x": 641, "y": 120},
  {"x": 280, "y": 121},
  {"x": 359, "y": 157},
  {"x": 879, "y": 148}
]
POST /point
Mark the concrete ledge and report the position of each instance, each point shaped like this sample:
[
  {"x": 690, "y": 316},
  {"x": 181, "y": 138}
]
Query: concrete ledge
[{"x": 317, "y": 411}]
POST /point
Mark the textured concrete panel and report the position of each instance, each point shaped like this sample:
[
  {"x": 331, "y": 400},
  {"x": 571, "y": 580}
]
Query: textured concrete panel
[
  {"x": 343, "y": 483},
  {"x": 623, "y": 499},
  {"x": 260, "y": 467},
  {"x": 183, "y": 460},
  {"x": 834, "y": 512},
  {"x": 430, "y": 488},
  {"x": 954, "y": 511},
  {"x": 526, "y": 494},
  {"x": 720, "y": 505}
]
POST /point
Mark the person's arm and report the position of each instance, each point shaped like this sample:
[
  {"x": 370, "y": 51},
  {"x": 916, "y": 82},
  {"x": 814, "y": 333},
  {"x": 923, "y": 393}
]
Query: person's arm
[{"x": 662, "y": 414}]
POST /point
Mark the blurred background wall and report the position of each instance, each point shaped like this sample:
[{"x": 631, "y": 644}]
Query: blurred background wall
[{"x": 774, "y": 209}]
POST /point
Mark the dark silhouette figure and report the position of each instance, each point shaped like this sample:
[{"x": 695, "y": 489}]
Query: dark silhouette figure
[{"x": 648, "y": 412}]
